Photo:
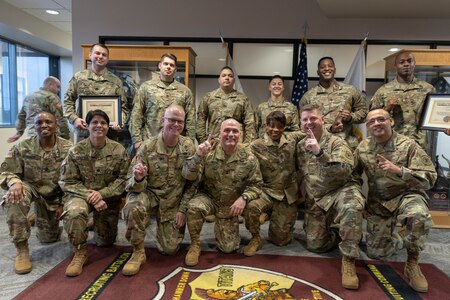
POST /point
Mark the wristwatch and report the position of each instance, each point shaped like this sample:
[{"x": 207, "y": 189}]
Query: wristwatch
[{"x": 245, "y": 197}]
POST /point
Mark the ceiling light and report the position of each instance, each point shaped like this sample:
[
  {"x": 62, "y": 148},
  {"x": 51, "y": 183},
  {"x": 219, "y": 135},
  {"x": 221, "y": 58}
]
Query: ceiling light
[
  {"x": 222, "y": 59},
  {"x": 394, "y": 49},
  {"x": 52, "y": 12}
]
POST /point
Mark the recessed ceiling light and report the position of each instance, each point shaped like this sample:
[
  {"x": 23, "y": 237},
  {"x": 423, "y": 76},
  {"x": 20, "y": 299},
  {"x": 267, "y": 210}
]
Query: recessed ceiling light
[
  {"x": 222, "y": 59},
  {"x": 394, "y": 49},
  {"x": 52, "y": 12}
]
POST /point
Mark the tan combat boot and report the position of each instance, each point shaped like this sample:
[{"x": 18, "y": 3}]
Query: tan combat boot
[
  {"x": 412, "y": 271},
  {"x": 263, "y": 218},
  {"x": 136, "y": 261},
  {"x": 78, "y": 261},
  {"x": 22, "y": 264},
  {"x": 349, "y": 278},
  {"x": 210, "y": 218},
  {"x": 193, "y": 254},
  {"x": 254, "y": 245},
  {"x": 31, "y": 219}
]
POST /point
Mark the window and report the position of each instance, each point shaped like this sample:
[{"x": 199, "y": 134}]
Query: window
[{"x": 22, "y": 71}]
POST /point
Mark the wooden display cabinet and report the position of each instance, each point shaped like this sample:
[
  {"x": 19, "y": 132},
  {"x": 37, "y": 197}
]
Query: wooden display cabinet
[
  {"x": 432, "y": 65},
  {"x": 140, "y": 62}
]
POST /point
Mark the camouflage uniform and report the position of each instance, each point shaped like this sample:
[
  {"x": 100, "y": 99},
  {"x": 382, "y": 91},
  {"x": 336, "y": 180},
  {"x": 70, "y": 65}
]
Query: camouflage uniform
[
  {"x": 150, "y": 102},
  {"x": 38, "y": 171},
  {"x": 277, "y": 162},
  {"x": 103, "y": 170},
  {"x": 223, "y": 181},
  {"x": 394, "y": 198},
  {"x": 331, "y": 101},
  {"x": 87, "y": 83},
  {"x": 287, "y": 108},
  {"x": 37, "y": 102},
  {"x": 333, "y": 197},
  {"x": 164, "y": 189},
  {"x": 407, "y": 114},
  {"x": 216, "y": 107}
]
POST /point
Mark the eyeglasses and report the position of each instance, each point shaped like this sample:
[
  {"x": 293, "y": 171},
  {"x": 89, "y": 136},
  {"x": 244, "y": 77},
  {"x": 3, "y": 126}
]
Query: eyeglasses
[
  {"x": 174, "y": 121},
  {"x": 379, "y": 120}
]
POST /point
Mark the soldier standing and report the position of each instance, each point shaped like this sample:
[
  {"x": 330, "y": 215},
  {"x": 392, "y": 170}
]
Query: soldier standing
[
  {"x": 334, "y": 202},
  {"x": 96, "y": 81},
  {"x": 156, "y": 182},
  {"x": 230, "y": 179},
  {"x": 30, "y": 173},
  {"x": 93, "y": 178},
  {"x": 398, "y": 172},
  {"x": 46, "y": 99},
  {"x": 342, "y": 105},
  {"x": 403, "y": 98},
  {"x": 222, "y": 104},
  {"x": 152, "y": 99},
  {"x": 276, "y": 154},
  {"x": 276, "y": 102}
]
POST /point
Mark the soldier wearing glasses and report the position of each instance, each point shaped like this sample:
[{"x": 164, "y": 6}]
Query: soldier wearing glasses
[
  {"x": 398, "y": 171},
  {"x": 156, "y": 181}
]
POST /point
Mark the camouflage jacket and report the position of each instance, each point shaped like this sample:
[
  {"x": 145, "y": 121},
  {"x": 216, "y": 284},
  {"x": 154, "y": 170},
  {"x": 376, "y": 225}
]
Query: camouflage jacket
[
  {"x": 326, "y": 176},
  {"x": 287, "y": 108},
  {"x": 225, "y": 180},
  {"x": 165, "y": 178},
  {"x": 331, "y": 101},
  {"x": 407, "y": 114},
  {"x": 216, "y": 107},
  {"x": 386, "y": 188},
  {"x": 28, "y": 162},
  {"x": 87, "y": 83},
  {"x": 37, "y": 102},
  {"x": 103, "y": 170},
  {"x": 277, "y": 162},
  {"x": 150, "y": 102}
]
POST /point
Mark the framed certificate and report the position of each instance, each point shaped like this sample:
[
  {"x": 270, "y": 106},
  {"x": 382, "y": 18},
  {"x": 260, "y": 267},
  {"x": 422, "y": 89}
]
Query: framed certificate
[
  {"x": 436, "y": 112},
  {"x": 111, "y": 105}
]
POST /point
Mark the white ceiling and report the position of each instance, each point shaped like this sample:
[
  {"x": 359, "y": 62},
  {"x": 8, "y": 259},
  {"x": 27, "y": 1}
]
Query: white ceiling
[
  {"x": 331, "y": 9},
  {"x": 37, "y": 8},
  {"x": 421, "y": 9}
]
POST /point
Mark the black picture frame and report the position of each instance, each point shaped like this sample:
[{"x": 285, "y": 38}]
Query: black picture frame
[
  {"x": 110, "y": 104},
  {"x": 435, "y": 112}
]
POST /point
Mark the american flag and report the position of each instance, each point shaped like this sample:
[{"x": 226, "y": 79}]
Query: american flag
[{"x": 301, "y": 80}]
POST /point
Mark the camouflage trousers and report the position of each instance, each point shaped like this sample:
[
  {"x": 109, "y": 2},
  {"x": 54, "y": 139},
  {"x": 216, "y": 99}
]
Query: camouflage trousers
[
  {"x": 339, "y": 226},
  {"x": 382, "y": 238},
  {"x": 282, "y": 219},
  {"x": 47, "y": 225},
  {"x": 137, "y": 212},
  {"x": 253, "y": 210},
  {"x": 75, "y": 217},
  {"x": 226, "y": 228}
]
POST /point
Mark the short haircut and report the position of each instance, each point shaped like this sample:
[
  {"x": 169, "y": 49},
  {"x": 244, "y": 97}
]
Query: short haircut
[
  {"x": 276, "y": 76},
  {"x": 97, "y": 112},
  {"x": 405, "y": 53},
  {"x": 49, "y": 80},
  {"x": 44, "y": 112},
  {"x": 100, "y": 45},
  {"x": 310, "y": 107},
  {"x": 169, "y": 55},
  {"x": 324, "y": 58},
  {"x": 226, "y": 68},
  {"x": 386, "y": 113},
  {"x": 276, "y": 116}
]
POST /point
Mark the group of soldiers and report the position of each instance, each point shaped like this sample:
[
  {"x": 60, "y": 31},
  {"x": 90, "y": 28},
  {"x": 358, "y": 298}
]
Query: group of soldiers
[{"x": 247, "y": 163}]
